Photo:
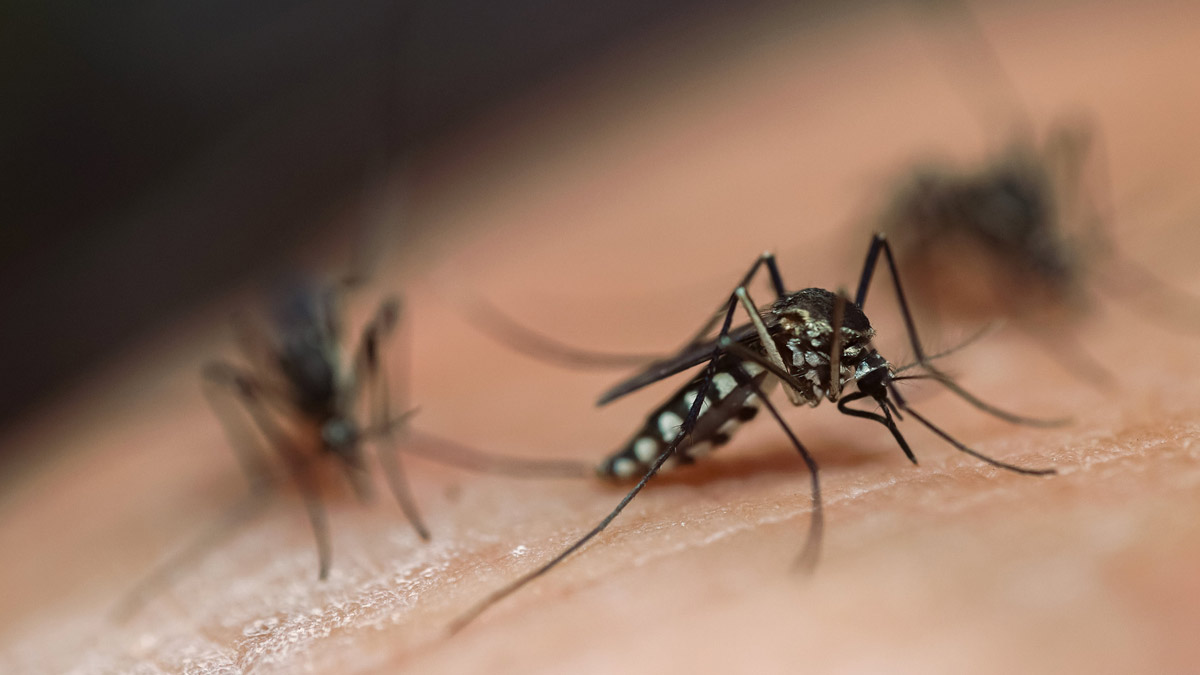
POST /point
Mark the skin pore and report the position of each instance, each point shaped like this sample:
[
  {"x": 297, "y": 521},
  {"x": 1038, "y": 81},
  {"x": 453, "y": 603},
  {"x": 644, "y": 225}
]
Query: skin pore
[{"x": 614, "y": 211}]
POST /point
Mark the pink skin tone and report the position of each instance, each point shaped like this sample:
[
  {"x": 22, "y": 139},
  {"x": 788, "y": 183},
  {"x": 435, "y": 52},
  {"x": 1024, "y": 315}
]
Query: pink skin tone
[{"x": 614, "y": 211}]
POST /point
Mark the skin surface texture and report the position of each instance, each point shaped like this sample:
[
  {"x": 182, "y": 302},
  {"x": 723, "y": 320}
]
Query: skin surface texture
[{"x": 614, "y": 211}]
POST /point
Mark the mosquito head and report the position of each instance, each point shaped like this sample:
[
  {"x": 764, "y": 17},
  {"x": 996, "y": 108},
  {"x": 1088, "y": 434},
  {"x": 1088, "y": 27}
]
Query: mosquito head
[
  {"x": 873, "y": 376},
  {"x": 341, "y": 436}
]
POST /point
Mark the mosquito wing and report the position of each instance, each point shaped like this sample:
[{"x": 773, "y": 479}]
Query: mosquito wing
[{"x": 691, "y": 355}]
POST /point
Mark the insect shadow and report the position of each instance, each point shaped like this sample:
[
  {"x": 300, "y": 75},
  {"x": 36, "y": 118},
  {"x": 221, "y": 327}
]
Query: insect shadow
[
  {"x": 305, "y": 395},
  {"x": 817, "y": 344},
  {"x": 1025, "y": 234}
]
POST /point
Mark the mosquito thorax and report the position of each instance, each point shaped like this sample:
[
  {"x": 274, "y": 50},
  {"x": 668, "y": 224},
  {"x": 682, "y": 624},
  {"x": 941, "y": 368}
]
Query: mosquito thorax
[{"x": 806, "y": 339}]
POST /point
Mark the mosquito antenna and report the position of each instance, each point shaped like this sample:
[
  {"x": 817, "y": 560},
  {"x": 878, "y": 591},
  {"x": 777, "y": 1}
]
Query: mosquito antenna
[
  {"x": 901, "y": 378},
  {"x": 988, "y": 329},
  {"x": 165, "y": 574},
  {"x": 685, "y": 430},
  {"x": 880, "y": 243},
  {"x": 453, "y": 453},
  {"x": 489, "y": 320}
]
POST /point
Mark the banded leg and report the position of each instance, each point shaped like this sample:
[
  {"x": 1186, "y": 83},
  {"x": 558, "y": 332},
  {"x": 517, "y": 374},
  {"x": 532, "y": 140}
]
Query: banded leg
[
  {"x": 880, "y": 244},
  {"x": 765, "y": 259},
  {"x": 689, "y": 423},
  {"x": 491, "y": 321},
  {"x": 696, "y": 351},
  {"x": 764, "y": 338},
  {"x": 886, "y": 419}
]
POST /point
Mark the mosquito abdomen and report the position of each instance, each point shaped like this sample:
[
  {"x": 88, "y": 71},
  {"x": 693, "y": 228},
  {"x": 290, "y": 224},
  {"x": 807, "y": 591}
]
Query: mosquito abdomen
[{"x": 727, "y": 405}]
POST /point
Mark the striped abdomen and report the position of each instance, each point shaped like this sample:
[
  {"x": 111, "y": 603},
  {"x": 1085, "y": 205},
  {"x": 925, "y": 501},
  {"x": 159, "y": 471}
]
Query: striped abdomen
[{"x": 726, "y": 406}]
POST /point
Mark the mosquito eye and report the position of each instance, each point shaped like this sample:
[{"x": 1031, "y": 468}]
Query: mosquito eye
[{"x": 873, "y": 382}]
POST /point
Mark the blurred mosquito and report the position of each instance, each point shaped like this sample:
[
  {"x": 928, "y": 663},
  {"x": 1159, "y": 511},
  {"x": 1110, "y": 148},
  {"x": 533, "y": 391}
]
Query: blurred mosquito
[
  {"x": 1026, "y": 233},
  {"x": 816, "y": 343},
  {"x": 302, "y": 396}
]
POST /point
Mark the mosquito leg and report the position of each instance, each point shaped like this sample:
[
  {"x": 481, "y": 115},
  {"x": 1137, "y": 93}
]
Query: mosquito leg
[
  {"x": 164, "y": 575},
  {"x": 766, "y": 259},
  {"x": 689, "y": 423},
  {"x": 511, "y": 588},
  {"x": 251, "y": 393},
  {"x": 807, "y": 560},
  {"x": 970, "y": 60},
  {"x": 764, "y": 338},
  {"x": 489, "y": 320},
  {"x": 880, "y": 244},
  {"x": 746, "y": 354},
  {"x": 456, "y": 454},
  {"x": 1140, "y": 290},
  {"x": 393, "y": 469},
  {"x": 368, "y": 365},
  {"x": 246, "y": 446},
  {"x": 728, "y": 346},
  {"x": 1066, "y": 349},
  {"x": 903, "y": 405},
  {"x": 868, "y": 271}
]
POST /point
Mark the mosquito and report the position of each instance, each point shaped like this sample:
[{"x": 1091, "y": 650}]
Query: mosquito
[
  {"x": 304, "y": 395},
  {"x": 1027, "y": 232},
  {"x": 817, "y": 345}
]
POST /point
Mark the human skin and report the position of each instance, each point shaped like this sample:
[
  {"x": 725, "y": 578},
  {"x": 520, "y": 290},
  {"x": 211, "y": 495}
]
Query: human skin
[{"x": 615, "y": 212}]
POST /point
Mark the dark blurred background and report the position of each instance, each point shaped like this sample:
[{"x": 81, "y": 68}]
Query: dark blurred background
[{"x": 152, "y": 153}]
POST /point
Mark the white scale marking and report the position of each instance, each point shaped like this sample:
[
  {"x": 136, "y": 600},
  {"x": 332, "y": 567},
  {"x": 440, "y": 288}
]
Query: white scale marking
[
  {"x": 725, "y": 383},
  {"x": 669, "y": 424},
  {"x": 624, "y": 467},
  {"x": 729, "y": 427},
  {"x": 646, "y": 449}
]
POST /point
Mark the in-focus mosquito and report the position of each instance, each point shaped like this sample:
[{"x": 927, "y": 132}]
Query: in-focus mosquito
[
  {"x": 817, "y": 344},
  {"x": 301, "y": 396}
]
